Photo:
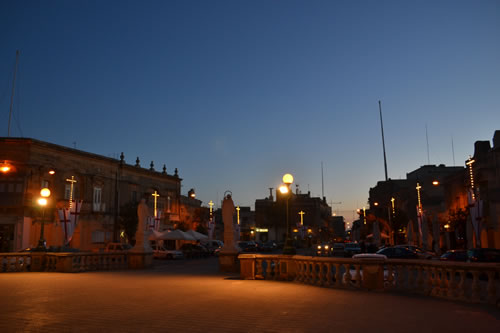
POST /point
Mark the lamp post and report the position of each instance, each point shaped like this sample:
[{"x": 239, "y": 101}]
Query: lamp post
[
  {"x": 285, "y": 190},
  {"x": 45, "y": 193}
]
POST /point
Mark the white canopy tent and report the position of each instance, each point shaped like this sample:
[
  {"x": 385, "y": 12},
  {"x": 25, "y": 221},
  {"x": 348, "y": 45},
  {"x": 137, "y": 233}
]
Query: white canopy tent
[
  {"x": 171, "y": 235},
  {"x": 196, "y": 235}
]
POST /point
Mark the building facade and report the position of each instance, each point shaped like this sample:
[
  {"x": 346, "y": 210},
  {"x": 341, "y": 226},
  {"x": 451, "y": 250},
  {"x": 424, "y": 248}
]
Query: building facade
[{"x": 104, "y": 186}]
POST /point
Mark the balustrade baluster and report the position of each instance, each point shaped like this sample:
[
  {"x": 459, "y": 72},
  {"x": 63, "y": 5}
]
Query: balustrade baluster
[
  {"x": 268, "y": 270},
  {"x": 436, "y": 291},
  {"x": 411, "y": 277},
  {"x": 400, "y": 281},
  {"x": 338, "y": 276},
  {"x": 451, "y": 284},
  {"x": 461, "y": 285},
  {"x": 491, "y": 289},
  {"x": 476, "y": 288},
  {"x": 443, "y": 287},
  {"x": 347, "y": 277},
  {"x": 259, "y": 271},
  {"x": 357, "y": 277},
  {"x": 390, "y": 277},
  {"x": 420, "y": 279},
  {"x": 328, "y": 278},
  {"x": 319, "y": 281}
]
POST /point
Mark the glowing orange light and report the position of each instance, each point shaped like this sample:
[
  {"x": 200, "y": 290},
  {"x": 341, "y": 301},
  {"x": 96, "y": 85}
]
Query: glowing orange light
[
  {"x": 435, "y": 183},
  {"x": 5, "y": 168},
  {"x": 42, "y": 202},
  {"x": 375, "y": 203},
  {"x": 45, "y": 192},
  {"x": 287, "y": 178},
  {"x": 51, "y": 172},
  {"x": 283, "y": 189}
]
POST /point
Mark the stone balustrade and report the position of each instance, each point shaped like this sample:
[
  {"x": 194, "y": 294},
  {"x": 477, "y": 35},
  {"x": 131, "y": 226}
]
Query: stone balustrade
[
  {"x": 72, "y": 262},
  {"x": 472, "y": 282}
]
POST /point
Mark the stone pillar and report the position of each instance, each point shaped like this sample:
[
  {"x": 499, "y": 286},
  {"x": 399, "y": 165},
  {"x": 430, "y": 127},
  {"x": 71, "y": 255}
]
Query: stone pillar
[
  {"x": 228, "y": 256},
  {"x": 141, "y": 255},
  {"x": 247, "y": 266}
]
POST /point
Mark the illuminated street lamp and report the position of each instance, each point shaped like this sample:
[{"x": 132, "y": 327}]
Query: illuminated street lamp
[
  {"x": 45, "y": 193},
  {"x": 285, "y": 190}
]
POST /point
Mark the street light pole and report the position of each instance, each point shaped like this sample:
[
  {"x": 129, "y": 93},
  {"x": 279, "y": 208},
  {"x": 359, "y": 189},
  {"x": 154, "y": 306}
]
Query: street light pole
[
  {"x": 45, "y": 193},
  {"x": 285, "y": 189}
]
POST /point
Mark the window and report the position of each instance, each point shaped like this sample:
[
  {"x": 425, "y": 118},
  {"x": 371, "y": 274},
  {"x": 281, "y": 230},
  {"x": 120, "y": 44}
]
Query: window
[
  {"x": 168, "y": 204},
  {"x": 97, "y": 199},
  {"x": 67, "y": 191},
  {"x": 134, "y": 196},
  {"x": 45, "y": 183}
]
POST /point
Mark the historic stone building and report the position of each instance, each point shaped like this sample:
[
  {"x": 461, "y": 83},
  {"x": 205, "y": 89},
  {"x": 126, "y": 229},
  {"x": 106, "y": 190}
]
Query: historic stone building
[
  {"x": 103, "y": 185},
  {"x": 270, "y": 217}
]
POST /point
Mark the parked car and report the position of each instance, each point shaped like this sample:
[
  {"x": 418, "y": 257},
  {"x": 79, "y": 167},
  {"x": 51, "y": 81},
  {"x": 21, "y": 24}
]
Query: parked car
[
  {"x": 323, "y": 250},
  {"x": 194, "y": 251},
  {"x": 420, "y": 253},
  {"x": 160, "y": 252},
  {"x": 212, "y": 244},
  {"x": 454, "y": 255},
  {"x": 483, "y": 255},
  {"x": 268, "y": 246},
  {"x": 248, "y": 246},
  {"x": 115, "y": 247},
  {"x": 351, "y": 249},
  {"x": 338, "y": 249},
  {"x": 398, "y": 253}
]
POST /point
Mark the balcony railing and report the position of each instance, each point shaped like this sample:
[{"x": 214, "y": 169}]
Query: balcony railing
[{"x": 472, "y": 282}]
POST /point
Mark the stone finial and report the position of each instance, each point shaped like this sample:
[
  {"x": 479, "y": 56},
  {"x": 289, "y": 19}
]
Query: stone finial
[
  {"x": 122, "y": 158},
  {"x": 176, "y": 173},
  {"x": 164, "y": 169},
  {"x": 137, "y": 162},
  {"x": 152, "y": 166}
]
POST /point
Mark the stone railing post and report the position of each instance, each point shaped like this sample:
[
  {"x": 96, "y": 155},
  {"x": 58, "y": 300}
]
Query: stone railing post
[
  {"x": 373, "y": 273},
  {"x": 247, "y": 266},
  {"x": 37, "y": 261},
  {"x": 64, "y": 263}
]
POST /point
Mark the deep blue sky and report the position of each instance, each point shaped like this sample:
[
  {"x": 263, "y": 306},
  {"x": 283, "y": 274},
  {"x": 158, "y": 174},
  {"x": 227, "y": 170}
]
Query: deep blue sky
[{"x": 237, "y": 93}]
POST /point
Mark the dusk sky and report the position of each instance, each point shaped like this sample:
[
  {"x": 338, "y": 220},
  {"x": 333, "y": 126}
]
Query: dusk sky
[{"x": 236, "y": 93}]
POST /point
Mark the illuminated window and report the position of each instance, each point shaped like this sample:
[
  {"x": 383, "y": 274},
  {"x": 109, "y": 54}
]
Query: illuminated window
[{"x": 168, "y": 204}]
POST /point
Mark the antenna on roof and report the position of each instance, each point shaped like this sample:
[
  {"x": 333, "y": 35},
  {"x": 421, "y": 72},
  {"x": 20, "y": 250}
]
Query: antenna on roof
[
  {"x": 427, "y": 139},
  {"x": 453, "y": 151}
]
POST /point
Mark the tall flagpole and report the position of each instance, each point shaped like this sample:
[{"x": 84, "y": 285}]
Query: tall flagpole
[
  {"x": 383, "y": 141},
  {"x": 13, "y": 90}
]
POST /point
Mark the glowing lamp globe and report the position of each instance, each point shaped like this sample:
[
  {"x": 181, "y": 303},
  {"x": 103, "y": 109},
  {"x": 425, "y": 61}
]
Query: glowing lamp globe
[
  {"x": 45, "y": 192},
  {"x": 287, "y": 178},
  {"x": 283, "y": 189}
]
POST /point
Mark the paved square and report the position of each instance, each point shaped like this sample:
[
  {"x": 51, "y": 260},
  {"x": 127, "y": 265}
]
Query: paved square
[{"x": 191, "y": 296}]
